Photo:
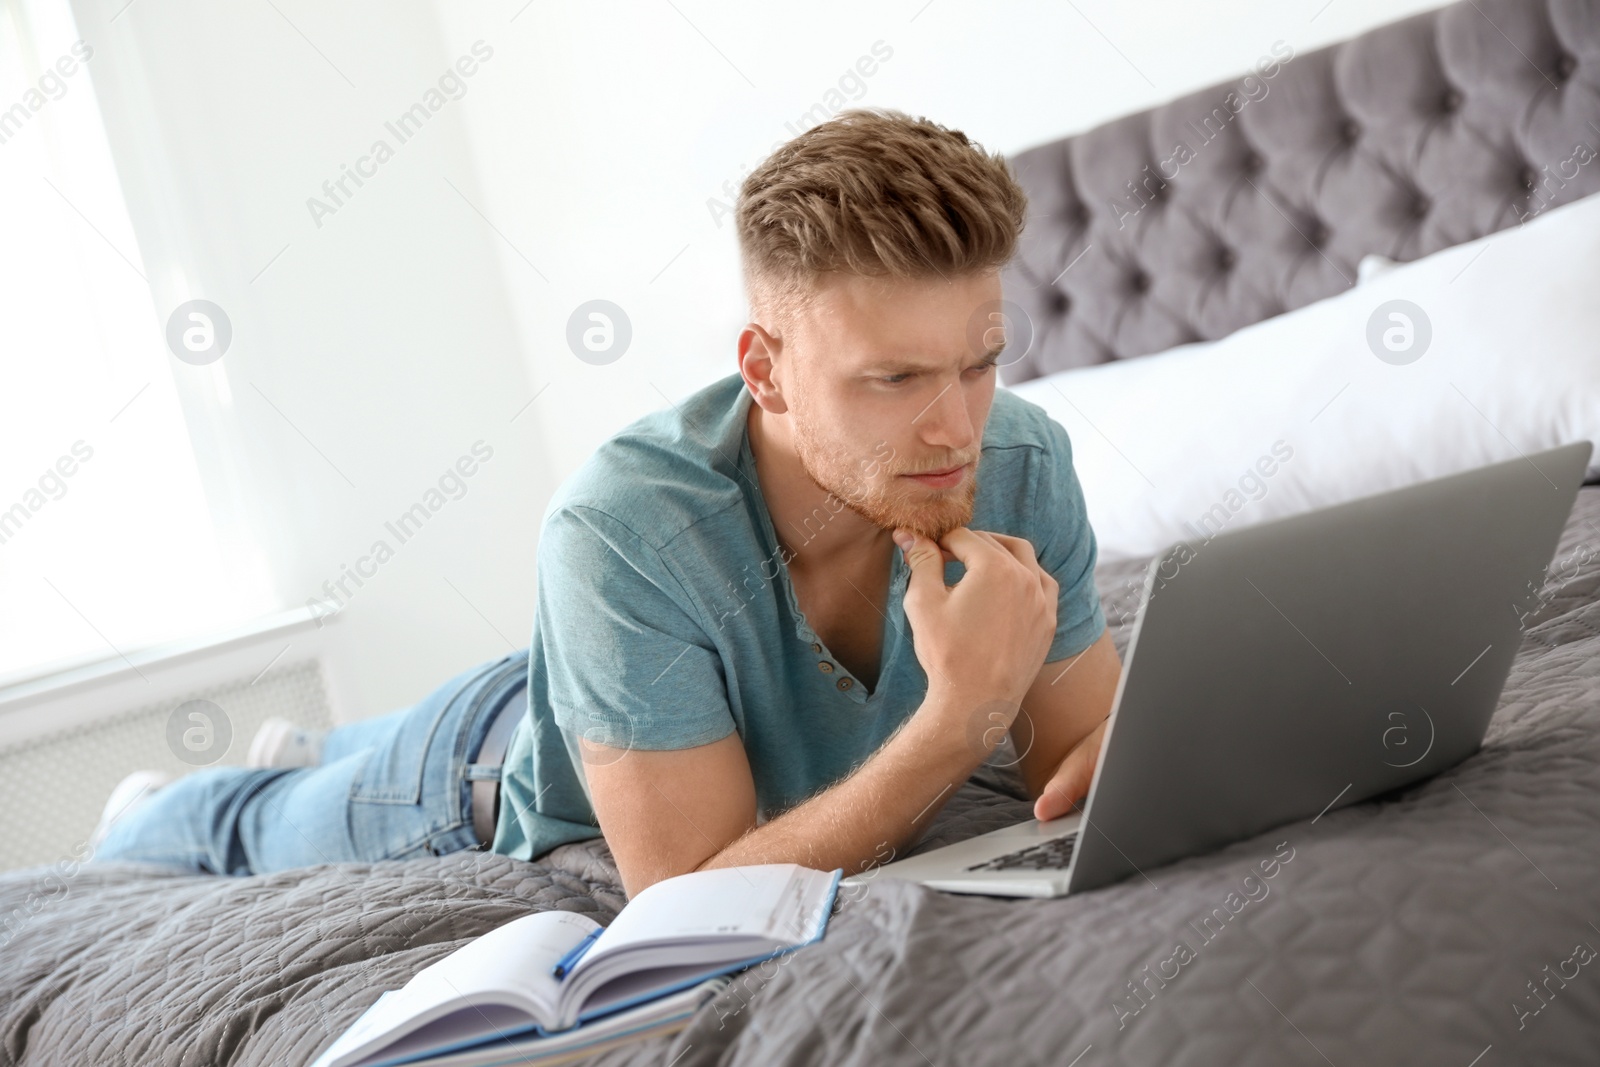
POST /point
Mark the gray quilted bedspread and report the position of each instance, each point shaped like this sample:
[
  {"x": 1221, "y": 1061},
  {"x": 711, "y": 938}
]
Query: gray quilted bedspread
[{"x": 1455, "y": 923}]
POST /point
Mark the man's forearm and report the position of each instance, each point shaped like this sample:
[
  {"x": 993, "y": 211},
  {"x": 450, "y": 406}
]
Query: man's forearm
[
  {"x": 1066, "y": 703},
  {"x": 884, "y": 804}
]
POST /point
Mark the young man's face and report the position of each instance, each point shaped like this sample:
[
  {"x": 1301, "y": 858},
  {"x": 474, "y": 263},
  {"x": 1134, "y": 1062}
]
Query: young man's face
[{"x": 887, "y": 379}]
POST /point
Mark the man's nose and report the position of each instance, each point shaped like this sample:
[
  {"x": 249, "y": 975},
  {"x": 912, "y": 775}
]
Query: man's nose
[{"x": 946, "y": 422}]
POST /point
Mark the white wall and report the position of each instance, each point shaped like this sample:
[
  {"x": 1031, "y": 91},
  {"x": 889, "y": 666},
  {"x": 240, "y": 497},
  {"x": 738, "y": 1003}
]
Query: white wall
[
  {"x": 373, "y": 352},
  {"x": 614, "y": 122},
  {"x": 411, "y": 323}
]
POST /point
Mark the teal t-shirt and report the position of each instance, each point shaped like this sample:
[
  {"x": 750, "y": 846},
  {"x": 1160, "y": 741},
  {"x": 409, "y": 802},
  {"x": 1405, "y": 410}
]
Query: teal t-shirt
[{"x": 665, "y": 617}]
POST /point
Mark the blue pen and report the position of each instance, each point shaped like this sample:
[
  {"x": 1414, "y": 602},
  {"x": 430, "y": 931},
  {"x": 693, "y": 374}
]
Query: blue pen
[{"x": 570, "y": 960}]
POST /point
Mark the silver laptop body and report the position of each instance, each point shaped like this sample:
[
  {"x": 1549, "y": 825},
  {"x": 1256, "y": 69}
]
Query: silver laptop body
[{"x": 1279, "y": 671}]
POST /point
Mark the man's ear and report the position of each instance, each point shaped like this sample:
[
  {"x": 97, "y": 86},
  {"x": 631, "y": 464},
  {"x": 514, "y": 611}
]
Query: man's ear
[{"x": 758, "y": 353}]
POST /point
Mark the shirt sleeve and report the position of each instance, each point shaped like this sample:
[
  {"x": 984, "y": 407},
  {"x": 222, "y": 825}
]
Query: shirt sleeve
[
  {"x": 1066, "y": 547},
  {"x": 629, "y": 664}
]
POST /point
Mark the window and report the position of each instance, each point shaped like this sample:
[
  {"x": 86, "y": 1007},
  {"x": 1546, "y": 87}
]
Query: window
[{"x": 107, "y": 542}]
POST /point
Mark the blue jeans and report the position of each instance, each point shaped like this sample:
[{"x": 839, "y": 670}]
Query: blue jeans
[{"x": 391, "y": 787}]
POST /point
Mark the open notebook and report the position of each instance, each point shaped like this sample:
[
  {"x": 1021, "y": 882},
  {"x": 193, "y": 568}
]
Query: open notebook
[{"x": 547, "y": 973}]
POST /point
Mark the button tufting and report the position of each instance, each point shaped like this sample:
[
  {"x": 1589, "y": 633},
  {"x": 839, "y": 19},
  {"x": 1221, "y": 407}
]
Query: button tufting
[
  {"x": 1252, "y": 163},
  {"x": 1317, "y": 235},
  {"x": 1528, "y": 177},
  {"x": 825, "y": 667},
  {"x": 1350, "y": 130},
  {"x": 1225, "y": 258},
  {"x": 844, "y": 683},
  {"x": 1421, "y": 206},
  {"x": 1451, "y": 100},
  {"x": 1060, "y": 302},
  {"x": 1140, "y": 282},
  {"x": 1565, "y": 65}
]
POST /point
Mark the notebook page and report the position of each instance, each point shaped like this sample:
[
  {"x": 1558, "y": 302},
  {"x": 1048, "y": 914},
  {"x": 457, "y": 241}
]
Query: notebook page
[
  {"x": 773, "y": 901},
  {"x": 461, "y": 1028},
  {"x": 659, "y": 1016},
  {"x": 517, "y": 957}
]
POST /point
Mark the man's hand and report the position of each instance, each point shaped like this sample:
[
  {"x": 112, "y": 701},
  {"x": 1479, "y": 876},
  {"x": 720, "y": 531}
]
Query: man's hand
[
  {"x": 1059, "y": 735},
  {"x": 983, "y": 640},
  {"x": 1070, "y": 783},
  {"x": 988, "y": 649}
]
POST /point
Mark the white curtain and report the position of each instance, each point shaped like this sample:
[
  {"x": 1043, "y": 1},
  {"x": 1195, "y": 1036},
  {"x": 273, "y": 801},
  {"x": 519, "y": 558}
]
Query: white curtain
[{"x": 107, "y": 542}]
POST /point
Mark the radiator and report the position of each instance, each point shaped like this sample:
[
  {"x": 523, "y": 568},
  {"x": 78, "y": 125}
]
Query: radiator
[{"x": 54, "y": 785}]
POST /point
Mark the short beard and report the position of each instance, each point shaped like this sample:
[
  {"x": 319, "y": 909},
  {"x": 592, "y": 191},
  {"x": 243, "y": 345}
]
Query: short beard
[
  {"x": 950, "y": 510},
  {"x": 878, "y": 500}
]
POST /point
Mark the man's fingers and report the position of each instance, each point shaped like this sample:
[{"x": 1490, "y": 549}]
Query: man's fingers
[
  {"x": 925, "y": 560},
  {"x": 973, "y": 547},
  {"x": 1070, "y": 784},
  {"x": 1060, "y": 794},
  {"x": 1019, "y": 547},
  {"x": 967, "y": 546}
]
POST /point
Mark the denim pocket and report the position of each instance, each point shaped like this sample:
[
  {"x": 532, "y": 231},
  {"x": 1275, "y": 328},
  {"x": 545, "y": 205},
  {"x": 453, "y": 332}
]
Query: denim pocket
[
  {"x": 409, "y": 792},
  {"x": 394, "y": 771}
]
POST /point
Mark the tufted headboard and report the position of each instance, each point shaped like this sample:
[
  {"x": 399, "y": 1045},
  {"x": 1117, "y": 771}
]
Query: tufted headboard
[{"x": 1259, "y": 195}]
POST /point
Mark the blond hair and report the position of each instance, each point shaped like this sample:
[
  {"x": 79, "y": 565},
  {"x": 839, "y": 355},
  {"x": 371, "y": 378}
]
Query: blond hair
[{"x": 873, "y": 192}]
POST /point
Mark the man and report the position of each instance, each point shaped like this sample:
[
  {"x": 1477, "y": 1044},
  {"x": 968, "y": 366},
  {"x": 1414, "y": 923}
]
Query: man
[{"x": 782, "y": 621}]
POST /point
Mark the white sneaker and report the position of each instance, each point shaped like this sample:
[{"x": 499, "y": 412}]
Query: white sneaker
[
  {"x": 129, "y": 793},
  {"x": 280, "y": 743}
]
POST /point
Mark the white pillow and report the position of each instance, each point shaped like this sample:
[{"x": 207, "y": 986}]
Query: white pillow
[{"x": 1300, "y": 411}]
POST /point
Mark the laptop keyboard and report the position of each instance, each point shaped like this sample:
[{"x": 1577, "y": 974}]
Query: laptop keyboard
[{"x": 1048, "y": 856}]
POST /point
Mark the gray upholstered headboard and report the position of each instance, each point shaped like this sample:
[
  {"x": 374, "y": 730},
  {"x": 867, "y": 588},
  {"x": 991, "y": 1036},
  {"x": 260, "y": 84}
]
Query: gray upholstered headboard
[{"x": 1233, "y": 204}]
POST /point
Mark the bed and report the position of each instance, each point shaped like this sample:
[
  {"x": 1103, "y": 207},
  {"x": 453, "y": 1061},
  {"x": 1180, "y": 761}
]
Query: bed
[
  {"x": 1402, "y": 931},
  {"x": 1453, "y": 922}
]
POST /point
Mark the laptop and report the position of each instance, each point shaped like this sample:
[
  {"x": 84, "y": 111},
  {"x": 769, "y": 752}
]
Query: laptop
[{"x": 1283, "y": 670}]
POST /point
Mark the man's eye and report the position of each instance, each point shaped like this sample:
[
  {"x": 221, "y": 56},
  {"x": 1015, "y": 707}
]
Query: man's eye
[{"x": 899, "y": 379}]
